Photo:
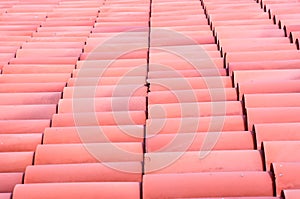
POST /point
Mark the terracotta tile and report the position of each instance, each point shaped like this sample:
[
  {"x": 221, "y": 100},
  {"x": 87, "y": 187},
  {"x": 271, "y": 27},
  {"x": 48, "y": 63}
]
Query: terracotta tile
[
  {"x": 191, "y": 162},
  {"x": 125, "y": 9},
  {"x": 57, "y": 39},
  {"x": 68, "y": 135},
  {"x": 22, "y": 17},
  {"x": 61, "y": 34},
  {"x": 283, "y": 10},
  {"x": 188, "y": 125},
  {"x": 42, "y": 60},
  {"x": 9, "y": 180},
  {"x": 273, "y": 86},
  {"x": 197, "y": 95},
  {"x": 272, "y": 115},
  {"x": 237, "y": 15},
  {"x": 19, "y": 142},
  {"x": 294, "y": 36},
  {"x": 285, "y": 176},
  {"x": 104, "y": 91},
  {"x": 179, "y": 12},
  {"x": 219, "y": 184},
  {"x": 249, "y": 34},
  {"x": 280, "y": 151},
  {"x": 62, "y": 13},
  {"x": 26, "y": 53},
  {"x": 37, "y": 68},
  {"x": 241, "y": 22},
  {"x": 257, "y": 47},
  {"x": 287, "y": 16},
  {"x": 271, "y": 100},
  {"x": 195, "y": 141},
  {"x": 64, "y": 23},
  {"x": 89, "y": 172},
  {"x": 73, "y": 19},
  {"x": 102, "y": 104},
  {"x": 253, "y": 41},
  {"x": 164, "y": 84},
  {"x": 203, "y": 109},
  {"x": 88, "y": 153},
  {"x": 291, "y": 194},
  {"x": 23, "y": 126},
  {"x": 15, "y": 33},
  {"x": 132, "y": 39},
  {"x": 21, "y": 23},
  {"x": 157, "y": 19},
  {"x": 178, "y": 22},
  {"x": 276, "y": 132},
  {"x": 28, "y": 78},
  {"x": 5, "y": 195},
  {"x": 257, "y": 75},
  {"x": 8, "y": 49},
  {"x": 15, "y": 38},
  {"x": 119, "y": 28},
  {"x": 25, "y": 112},
  {"x": 64, "y": 29},
  {"x": 139, "y": 54},
  {"x": 111, "y": 72},
  {"x": 29, "y": 98},
  {"x": 159, "y": 54},
  {"x": 99, "y": 118},
  {"x": 104, "y": 81},
  {"x": 109, "y": 190},
  {"x": 187, "y": 28},
  {"x": 290, "y": 26},
  {"x": 11, "y": 44},
  {"x": 161, "y": 40},
  {"x": 109, "y": 64},
  {"x": 257, "y": 197},
  {"x": 160, "y": 7},
  {"x": 31, "y": 87},
  {"x": 18, "y": 28},
  {"x": 190, "y": 51},
  {"x": 175, "y": 64},
  {"x": 114, "y": 42},
  {"x": 15, "y": 161},
  {"x": 186, "y": 73},
  {"x": 209, "y": 48},
  {"x": 126, "y": 18},
  {"x": 6, "y": 56},
  {"x": 264, "y": 65},
  {"x": 228, "y": 7},
  {"x": 262, "y": 56},
  {"x": 38, "y": 9}
]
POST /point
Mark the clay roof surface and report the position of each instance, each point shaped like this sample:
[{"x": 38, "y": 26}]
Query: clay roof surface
[{"x": 155, "y": 99}]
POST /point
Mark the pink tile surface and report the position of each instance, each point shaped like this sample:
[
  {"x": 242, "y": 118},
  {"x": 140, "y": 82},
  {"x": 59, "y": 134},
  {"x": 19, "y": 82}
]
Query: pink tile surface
[{"x": 189, "y": 99}]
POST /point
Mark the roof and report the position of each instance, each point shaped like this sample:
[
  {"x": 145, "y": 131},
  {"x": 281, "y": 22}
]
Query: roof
[{"x": 149, "y": 99}]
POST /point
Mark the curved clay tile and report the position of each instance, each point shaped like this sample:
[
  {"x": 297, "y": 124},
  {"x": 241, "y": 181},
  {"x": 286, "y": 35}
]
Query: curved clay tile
[
  {"x": 286, "y": 176},
  {"x": 280, "y": 151},
  {"x": 109, "y": 190},
  {"x": 276, "y": 132},
  {"x": 218, "y": 184}
]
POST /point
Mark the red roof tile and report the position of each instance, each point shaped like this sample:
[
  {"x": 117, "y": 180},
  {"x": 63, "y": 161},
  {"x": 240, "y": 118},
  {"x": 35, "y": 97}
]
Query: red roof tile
[
  {"x": 81, "y": 153},
  {"x": 219, "y": 184},
  {"x": 194, "y": 142},
  {"x": 9, "y": 181},
  {"x": 89, "y": 172},
  {"x": 109, "y": 190},
  {"x": 286, "y": 176}
]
